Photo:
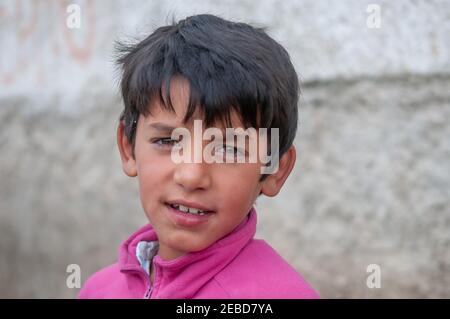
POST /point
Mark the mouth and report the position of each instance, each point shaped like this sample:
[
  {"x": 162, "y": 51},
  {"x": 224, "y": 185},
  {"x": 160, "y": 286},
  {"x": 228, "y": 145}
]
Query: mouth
[
  {"x": 190, "y": 209},
  {"x": 187, "y": 214}
]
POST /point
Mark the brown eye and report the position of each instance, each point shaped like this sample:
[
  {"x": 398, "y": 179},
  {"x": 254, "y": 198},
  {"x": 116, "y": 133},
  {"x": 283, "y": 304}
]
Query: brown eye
[
  {"x": 231, "y": 150},
  {"x": 164, "y": 142}
]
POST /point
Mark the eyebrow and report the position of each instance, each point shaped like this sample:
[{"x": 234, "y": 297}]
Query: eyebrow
[{"x": 161, "y": 127}]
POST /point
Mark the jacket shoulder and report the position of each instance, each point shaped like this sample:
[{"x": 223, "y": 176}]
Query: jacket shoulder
[
  {"x": 260, "y": 272},
  {"x": 100, "y": 283}
]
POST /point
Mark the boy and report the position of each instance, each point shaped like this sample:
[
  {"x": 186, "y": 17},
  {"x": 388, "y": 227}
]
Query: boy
[{"x": 199, "y": 243}]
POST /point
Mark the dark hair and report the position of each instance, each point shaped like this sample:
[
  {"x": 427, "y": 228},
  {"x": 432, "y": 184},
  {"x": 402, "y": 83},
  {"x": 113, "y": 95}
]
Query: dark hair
[{"x": 229, "y": 66}]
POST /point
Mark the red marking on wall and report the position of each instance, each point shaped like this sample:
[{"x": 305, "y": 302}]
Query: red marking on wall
[
  {"x": 28, "y": 28},
  {"x": 80, "y": 53}
]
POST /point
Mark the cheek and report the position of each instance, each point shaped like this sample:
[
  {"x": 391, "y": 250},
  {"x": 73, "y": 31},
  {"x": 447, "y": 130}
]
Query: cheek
[
  {"x": 152, "y": 174},
  {"x": 153, "y": 171},
  {"x": 240, "y": 182}
]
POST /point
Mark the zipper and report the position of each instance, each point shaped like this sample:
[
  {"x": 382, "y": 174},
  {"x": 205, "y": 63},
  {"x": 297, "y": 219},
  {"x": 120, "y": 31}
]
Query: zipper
[
  {"x": 148, "y": 292},
  {"x": 146, "y": 278},
  {"x": 150, "y": 286}
]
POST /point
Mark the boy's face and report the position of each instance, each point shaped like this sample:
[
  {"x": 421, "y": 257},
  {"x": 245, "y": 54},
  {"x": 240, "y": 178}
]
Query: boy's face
[{"x": 226, "y": 190}]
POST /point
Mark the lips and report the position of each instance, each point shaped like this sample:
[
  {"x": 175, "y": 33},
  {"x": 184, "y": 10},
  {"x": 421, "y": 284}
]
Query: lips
[
  {"x": 189, "y": 207},
  {"x": 184, "y": 219},
  {"x": 188, "y": 210}
]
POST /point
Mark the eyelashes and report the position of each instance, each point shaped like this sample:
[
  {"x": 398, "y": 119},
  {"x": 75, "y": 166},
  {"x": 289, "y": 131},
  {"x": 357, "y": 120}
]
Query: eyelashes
[{"x": 166, "y": 143}]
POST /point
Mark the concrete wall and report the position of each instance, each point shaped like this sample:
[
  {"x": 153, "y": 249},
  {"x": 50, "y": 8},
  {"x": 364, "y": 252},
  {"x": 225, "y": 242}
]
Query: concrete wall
[{"x": 372, "y": 181}]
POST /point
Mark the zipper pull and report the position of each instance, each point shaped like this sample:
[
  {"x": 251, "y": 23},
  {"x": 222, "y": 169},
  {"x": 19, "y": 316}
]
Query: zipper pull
[{"x": 148, "y": 292}]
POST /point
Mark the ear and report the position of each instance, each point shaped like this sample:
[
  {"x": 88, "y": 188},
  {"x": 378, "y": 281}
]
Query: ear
[
  {"x": 126, "y": 152},
  {"x": 271, "y": 186}
]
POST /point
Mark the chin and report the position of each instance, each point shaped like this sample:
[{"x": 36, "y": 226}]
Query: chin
[{"x": 192, "y": 247}]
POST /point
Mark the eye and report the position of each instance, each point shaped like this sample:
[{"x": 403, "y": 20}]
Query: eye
[
  {"x": 230, "y": 149},
  {"x": 164, "y": 142}
]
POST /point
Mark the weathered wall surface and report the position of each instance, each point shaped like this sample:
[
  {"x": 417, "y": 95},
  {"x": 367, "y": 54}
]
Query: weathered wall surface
[{"x": 372, "y": 180}]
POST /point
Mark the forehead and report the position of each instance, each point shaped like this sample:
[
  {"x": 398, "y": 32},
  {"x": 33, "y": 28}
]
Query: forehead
[{"x": 179, "y": 95}]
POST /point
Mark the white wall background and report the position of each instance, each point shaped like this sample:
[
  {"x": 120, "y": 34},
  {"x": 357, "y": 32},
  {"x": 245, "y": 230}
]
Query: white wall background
[{"x": 372, "y": 181}]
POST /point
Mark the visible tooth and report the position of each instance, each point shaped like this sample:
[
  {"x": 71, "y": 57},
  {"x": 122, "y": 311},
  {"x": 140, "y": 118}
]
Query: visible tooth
[
  {"x": 190, "y": 210},
  {"x": 193, "y": 210}
]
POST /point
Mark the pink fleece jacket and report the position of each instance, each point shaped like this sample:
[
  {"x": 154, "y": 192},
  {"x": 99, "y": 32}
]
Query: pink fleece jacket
[{"x": 236, "y": 266}]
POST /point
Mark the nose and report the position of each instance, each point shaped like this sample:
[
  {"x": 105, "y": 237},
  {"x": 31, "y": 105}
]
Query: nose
[{"x": 192, "y": 176}]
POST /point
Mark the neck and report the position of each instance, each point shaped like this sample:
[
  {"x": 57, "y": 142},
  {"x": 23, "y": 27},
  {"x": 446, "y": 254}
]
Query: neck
[{"x": 167, "y": 253}]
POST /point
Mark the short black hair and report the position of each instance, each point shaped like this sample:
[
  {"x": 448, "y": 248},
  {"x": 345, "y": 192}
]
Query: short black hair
[{"x": 229, "y": 66}]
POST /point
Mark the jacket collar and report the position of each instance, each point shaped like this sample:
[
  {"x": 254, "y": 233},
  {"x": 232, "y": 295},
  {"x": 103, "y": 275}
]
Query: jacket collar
[{"x": 184, "y": 276}]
